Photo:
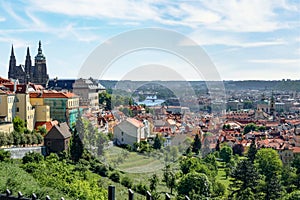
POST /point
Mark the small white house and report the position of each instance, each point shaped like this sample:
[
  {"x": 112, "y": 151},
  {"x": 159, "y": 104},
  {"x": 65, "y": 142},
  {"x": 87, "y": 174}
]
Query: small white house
[{"x": 129, "y": 132}]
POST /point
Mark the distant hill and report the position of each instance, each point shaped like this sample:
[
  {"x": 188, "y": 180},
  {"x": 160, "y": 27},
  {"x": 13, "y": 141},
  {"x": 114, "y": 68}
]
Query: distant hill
[{"x": 285, "y": 85}]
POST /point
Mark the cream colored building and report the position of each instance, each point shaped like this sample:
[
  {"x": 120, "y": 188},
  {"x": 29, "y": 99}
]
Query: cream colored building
[
  {"x": 25, "y": 110},
  {"x": 6, "y": 127},
  {"x": 129, "y": 131},
  {"x": 42, "y": 113},
  {"x": 7, "y": 106}
]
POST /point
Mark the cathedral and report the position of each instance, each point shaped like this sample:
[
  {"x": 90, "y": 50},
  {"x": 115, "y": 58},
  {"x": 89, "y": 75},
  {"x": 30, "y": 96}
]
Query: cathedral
[{"x": 36, "y": 74}]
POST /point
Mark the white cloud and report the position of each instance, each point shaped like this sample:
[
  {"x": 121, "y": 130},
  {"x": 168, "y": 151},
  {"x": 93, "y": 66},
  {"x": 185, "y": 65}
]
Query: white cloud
[
  {"x": 229, "y": 15},
  {"x": 17, "y": 42},
  {"x": 248, "y": 16},
  {"x": 206, "y": 38},
  {"x": 2, "y": 19},
  {"x": 276, "y": 61}
]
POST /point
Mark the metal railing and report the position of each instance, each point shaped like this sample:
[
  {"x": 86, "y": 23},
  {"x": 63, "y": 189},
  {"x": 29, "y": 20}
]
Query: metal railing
[{"x": 111, "y": 195}]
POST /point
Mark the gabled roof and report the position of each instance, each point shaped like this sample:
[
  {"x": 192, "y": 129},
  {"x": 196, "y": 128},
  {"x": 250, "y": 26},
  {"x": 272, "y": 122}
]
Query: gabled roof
[
  {"x": 60, "y": 131},
  {"x": 135, "y": 122}
]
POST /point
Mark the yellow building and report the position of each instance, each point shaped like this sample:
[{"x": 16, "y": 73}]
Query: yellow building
[
  {"x": 42, "y": 113},
  {"x": 7, "y": 106},
  {"x": 24, "y": 110}
]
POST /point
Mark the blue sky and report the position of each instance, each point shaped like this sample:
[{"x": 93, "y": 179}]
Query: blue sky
[{"x": 245, "y": 39}]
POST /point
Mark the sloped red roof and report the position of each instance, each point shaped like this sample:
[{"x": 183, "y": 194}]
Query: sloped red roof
[
  {"x": 52, "y": 94},
  {"x": 135, "y": 122},
  {"x": 48, "y": 125}
]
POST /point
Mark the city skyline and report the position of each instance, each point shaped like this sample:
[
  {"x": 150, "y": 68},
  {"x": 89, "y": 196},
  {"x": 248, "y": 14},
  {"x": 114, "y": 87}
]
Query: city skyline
[{"x": 246, "y": 40}]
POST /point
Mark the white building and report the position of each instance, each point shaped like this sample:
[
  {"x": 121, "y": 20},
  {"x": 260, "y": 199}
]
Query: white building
[{"x": 130, "y": 131}]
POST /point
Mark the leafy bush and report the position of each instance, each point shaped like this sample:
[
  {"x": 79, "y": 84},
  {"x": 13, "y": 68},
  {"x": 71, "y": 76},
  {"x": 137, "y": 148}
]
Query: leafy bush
[
  {"x": 141, "y": 188},
  {"x": 127, "y": 182},
  {"x": 32, "y": 157},
  {"x": 115, "y": 176},
  {"x": 100, "y": 169},
  {"x": 4, "y": 155}
]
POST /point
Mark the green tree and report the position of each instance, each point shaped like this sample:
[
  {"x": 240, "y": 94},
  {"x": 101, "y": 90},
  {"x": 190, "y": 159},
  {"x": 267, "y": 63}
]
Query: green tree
[
  {"x": 238, "y": 149},
  {"x": 268, "y": 162},
  {"x": 188, "y": 164},
  {"x": 293, "y": 196},
  {"x": 252, "y": 151},
  {"x": 174, "y": 152},
  {"x": 4, "y": 155},
  {"x": 226, "y": 153},
  {"x": 157, "y": 142},
  {"x": 42, "y": 130},
  {"x": 169, "y": 178},
  {"x": 245, "y": 176},
  {"x": 196, "y": 144},
  {"x": 3, "y": 139},
  {"x": 17, "y": 137},
  {"x": 194, "y": 184},
  {"x": 105, "y": 99},
  {"x": 153, "y": 182},
  {"x": 250, "y": 127},
  {"x": 76, "y": 147},
  {"x": 19, "y": 124},
  {"x": 273, "y": 188},
  {"x": 270, "y": 166}
]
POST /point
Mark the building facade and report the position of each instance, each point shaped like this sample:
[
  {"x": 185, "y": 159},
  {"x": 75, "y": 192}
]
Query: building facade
[
  {"x": 64, "y": 106},
  {"x": 36, "y": 73},
  {"x": 88, "y": 92}
]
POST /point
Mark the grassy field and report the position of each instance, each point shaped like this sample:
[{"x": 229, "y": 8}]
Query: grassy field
[
  {"x": 221, "y": 177},
  {"x": 139, "y": 167},
  {"x": 134, "y": 162}
]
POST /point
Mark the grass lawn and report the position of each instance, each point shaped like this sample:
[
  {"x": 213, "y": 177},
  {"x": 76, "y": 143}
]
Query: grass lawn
[
  {"x": 139, "y": 167},
  {"x": 221, "y": 177},
  {"x": 134, "y": 162}
]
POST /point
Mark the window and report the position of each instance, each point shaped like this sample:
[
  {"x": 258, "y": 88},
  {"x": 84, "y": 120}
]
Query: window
[
  {"x": 18, "y": 109},
  {"x": 48, "y": 143},
  {"x": 122, "y": 140},
  {"x": 122, "y": 133}
]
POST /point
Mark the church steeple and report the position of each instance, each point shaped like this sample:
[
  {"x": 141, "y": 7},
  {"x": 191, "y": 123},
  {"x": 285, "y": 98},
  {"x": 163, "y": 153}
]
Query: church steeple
[
  {"x": 40, "y": 55},
  {"x": 12, "y": 54},
  {"x": 28, "y": 65},
  {"x": 12, "y": 64}
]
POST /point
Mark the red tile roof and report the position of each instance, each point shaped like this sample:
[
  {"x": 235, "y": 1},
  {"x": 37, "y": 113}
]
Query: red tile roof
[
  {"x": 48, "y": 125},
  {"x": 135, "y": 122},
  {"x": 52, "y": 94}
]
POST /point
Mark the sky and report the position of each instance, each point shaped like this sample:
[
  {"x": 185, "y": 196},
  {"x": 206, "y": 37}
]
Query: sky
[{"x": 245, "y": 39}]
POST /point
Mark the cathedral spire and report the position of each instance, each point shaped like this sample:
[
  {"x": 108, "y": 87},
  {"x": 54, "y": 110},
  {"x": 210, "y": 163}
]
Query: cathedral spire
[
  {"x": 40, "y": 48},
  {"x": 28, "y": 65},
  {"x": 12, "y": 64},
  {"x": 40, "y": 55},
  {"x": 28, "y": 53},
  {"x": 12, "y": 54}
]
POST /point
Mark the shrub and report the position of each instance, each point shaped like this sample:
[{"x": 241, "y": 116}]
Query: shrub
[
  {"x": 101, "y": 169},
  {"x": 115, "y": 176},
  {"x": 4, "y": 155},
  {"x": 127, "y": 182},
  {"x": 141, "y": 188},
  {"x": 32, "y": 157}
]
